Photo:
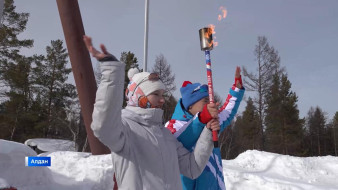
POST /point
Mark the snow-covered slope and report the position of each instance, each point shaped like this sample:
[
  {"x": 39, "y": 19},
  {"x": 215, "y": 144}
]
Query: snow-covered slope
[
  {"x": 51, "y": 145},
  {"x": 251, "y": 170},
  {"x": 265, "y": 171},
  {"x": 13, "y": 171},
  {"x": 81, "y": 170},
  {"x": 69, "y": 170}
]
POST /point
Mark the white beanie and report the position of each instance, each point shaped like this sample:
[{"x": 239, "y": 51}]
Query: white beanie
[
  {"x": 146, "y": 85},
  {"x": 132, "y": 72}
]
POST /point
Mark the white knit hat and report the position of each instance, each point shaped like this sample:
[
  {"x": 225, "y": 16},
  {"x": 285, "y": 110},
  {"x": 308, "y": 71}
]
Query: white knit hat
[
  {"x": 132, "y": 72},
  {"x": 146, "y": 85}
]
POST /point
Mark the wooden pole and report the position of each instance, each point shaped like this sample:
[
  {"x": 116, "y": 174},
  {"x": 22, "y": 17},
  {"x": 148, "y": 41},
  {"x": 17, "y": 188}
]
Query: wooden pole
[{"x": 73, "y": 30}]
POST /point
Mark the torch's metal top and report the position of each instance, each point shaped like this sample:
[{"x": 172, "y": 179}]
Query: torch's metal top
[{"x": 206, "y": 39}]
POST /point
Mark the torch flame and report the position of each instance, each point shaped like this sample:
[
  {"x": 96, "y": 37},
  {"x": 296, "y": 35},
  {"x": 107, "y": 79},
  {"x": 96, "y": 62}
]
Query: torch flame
[
  {"x": 224, "y": 13},
  {"x": 211, "y": 27},
  {"x": 211, "y": 30}
]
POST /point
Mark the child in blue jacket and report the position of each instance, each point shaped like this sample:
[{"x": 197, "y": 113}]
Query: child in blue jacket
[{"x": 190, "y": 117}]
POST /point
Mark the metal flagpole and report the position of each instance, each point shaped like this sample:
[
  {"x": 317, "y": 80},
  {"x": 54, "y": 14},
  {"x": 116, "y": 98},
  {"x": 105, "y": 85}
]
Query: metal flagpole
[{"x": 145, "y": 55}]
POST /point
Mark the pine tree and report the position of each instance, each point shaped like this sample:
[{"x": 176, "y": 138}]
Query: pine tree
[
  {"x": 245, "y": 132},
  {"x": 335, "y": 133},
  {"x": 15, "y": 84},
  {"x": 12, "y": 24},
  {"x": 50, "y": 77},
  {"x": 249, "y": 130},
  {"x": 292, "y": 124},
  {"x": 268, "y": 62},
  {"x": 273, "y": 118},
  {"x": 284, "y": 132},
  {"x": 316, "y": 130},
  {"x": 329, "y": 139},
  {"x": 18, "y": 116}
]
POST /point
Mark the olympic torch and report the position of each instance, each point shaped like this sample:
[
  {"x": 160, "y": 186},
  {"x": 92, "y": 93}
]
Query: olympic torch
[{"x": 207, "y": 45}]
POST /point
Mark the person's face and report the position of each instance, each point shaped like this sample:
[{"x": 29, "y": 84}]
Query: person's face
[
  {"x": 156, "y": 98},
  {"x": 198, "y": 106}
]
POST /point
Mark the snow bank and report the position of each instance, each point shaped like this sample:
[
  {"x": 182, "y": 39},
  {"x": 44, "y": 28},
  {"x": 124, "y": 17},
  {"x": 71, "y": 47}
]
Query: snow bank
[
  {"x": 68, "y": 171},
  {"x": 13, "y": 171},
  {"x": 81, "y": 170},
  {"x": 51, "y": 145},
  {"x": 266, "y": 171},
  {"x": 252, "y": 170}
]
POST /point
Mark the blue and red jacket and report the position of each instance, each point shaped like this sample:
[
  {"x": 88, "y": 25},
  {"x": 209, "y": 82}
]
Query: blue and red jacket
[{"x": 187, "y": 129}]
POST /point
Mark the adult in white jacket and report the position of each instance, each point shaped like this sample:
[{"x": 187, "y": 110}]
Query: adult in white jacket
[{"x": 145, "y": 154}]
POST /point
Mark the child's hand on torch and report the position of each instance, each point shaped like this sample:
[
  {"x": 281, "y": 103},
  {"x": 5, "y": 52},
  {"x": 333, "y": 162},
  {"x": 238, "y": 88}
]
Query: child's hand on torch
[
  {"x": 213, "y": 125},
  {"x": 213, "y": 109}
]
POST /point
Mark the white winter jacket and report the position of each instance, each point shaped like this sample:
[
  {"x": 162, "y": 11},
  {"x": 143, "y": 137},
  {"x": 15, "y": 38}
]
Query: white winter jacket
[{"x": 145, "y": 154}]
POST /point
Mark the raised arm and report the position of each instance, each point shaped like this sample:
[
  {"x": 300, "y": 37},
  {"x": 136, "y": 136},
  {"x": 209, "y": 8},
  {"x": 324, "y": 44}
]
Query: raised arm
[
  {"x": 232, "y": 102},
  {"x": 107, "y": 122}
]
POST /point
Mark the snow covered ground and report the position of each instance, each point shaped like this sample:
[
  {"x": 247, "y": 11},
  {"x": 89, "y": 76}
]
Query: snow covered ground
[
  {"x": 256, "y": 170},
  {"x": 251, "y": 170},
  {"x": 51, "y": 145}
]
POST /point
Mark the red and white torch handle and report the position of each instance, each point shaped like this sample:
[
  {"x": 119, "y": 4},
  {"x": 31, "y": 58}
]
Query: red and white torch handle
[{"x": 211, "y": 91}]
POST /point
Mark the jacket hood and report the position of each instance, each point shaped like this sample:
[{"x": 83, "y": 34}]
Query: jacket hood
[{"x": 143, "y": 116}]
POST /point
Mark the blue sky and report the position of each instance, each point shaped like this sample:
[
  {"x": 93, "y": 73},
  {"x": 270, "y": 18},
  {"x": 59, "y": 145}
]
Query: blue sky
[{"x": 305, "y": 33}]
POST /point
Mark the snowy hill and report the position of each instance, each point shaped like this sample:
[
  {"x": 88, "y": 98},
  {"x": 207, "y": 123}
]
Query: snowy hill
[
  {"x": 257, "y": 170},
  {"x": 251, "y": 170},
  {"x": 51, "y": 145}
]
